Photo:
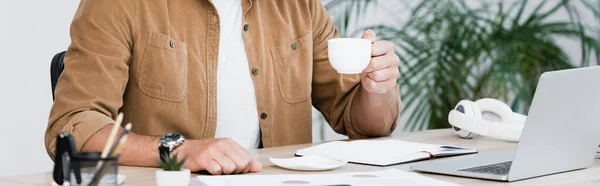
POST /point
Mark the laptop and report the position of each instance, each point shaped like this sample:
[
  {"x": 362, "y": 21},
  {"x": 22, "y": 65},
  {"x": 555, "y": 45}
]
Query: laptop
[{"x": 561, "y": 133}]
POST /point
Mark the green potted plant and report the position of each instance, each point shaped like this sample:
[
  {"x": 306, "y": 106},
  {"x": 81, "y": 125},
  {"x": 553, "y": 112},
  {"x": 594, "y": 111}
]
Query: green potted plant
[{"x": 171, "y": 171}]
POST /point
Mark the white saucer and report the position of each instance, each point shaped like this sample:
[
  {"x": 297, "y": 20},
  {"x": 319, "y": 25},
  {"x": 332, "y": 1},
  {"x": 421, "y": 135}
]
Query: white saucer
[{"x": 308, "y": 163}]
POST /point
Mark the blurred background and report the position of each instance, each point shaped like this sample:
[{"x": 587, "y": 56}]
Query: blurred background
[
  {"x": 450, "y": 50},
  {"x": 463, "y": 49}
]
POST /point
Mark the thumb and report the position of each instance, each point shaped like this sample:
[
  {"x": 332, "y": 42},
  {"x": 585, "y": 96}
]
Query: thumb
[{"x": 370, "y": 35}]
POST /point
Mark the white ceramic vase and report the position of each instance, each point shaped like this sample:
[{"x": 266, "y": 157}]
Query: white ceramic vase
[{"x": 173, "y": 178}]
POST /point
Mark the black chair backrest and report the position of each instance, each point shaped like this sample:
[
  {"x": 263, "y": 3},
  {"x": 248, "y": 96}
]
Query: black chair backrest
[{"x": 56, "y": 68}]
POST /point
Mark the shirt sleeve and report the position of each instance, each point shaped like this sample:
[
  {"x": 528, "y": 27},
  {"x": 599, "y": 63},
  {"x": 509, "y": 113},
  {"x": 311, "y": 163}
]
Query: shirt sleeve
[
  {"x": 332, "y": 93},
  {"x": 90, "y": 89}
]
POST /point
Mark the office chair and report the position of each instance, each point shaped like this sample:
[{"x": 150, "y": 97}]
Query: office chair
[{"x": 56, "y": 68}]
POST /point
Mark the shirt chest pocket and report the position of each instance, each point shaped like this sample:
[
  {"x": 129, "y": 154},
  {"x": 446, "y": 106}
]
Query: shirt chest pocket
[
  {"x": 163, "y": 72},
  {"x": 293, "y": 68}
]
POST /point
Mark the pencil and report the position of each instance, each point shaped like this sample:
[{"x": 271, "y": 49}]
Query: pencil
[
  {"x": 110, "y": 140},
  {"x": 113, "y": 152},
  {"x": 112, "y": 135}
]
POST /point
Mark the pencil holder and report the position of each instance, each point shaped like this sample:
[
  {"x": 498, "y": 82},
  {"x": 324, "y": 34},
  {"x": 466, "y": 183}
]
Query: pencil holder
[{"x": 94, "y": 170}]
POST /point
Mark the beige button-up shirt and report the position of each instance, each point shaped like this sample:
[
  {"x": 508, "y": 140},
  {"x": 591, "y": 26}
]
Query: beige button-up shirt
[{"x": 156, "y": 61}]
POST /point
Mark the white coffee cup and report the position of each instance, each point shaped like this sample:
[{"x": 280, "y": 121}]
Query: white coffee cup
[{"x": 349, "y": 55}]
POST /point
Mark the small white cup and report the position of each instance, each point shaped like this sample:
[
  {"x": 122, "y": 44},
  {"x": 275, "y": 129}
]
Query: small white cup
[{"x": 349, "y": 55}]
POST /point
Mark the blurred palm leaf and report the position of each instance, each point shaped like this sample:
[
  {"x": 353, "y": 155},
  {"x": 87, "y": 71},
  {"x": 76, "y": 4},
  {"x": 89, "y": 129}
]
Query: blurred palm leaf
[
  {"x": 346, "y": 12},
  {"x": 451, "y": 50}
]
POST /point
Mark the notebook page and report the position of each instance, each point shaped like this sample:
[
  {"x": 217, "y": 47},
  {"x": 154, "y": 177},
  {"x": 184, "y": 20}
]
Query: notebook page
[
  {"x": 446, "y": 150},
  {"x": 376, "y": 152}
]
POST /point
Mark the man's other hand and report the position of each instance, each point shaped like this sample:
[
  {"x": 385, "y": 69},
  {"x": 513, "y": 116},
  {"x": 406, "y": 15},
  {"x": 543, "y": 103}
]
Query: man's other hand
[{"x": 381, "y": 74}]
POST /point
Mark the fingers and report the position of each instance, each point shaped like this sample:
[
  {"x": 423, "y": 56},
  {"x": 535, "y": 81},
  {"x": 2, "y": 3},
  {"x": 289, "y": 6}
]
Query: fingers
[
  {"x": 382, "y": 71},
  {"x": 255, "y": 166},
  {"x": 382, "y": 62},
  {"x": 237, "y": 154},
  {"x": 247, "y": 158},
  {"x": 213, "y": 167},
  {"x": 224, "y": 156},
  {"x": 251, "y": 165},
  {"x": 384, "y": 74},
  {"x": 370, "y": 35},
  {"x": 382, "y": 48},
  {"x": 380, "y": 87},
  {"x": 247, "y": 169},
  {"x": 240, "y": 163},
  {"x": 227, "y": 165}
]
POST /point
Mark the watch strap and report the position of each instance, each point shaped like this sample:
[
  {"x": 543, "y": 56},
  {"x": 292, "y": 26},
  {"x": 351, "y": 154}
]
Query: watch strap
[{"x": 164, "y": 150}]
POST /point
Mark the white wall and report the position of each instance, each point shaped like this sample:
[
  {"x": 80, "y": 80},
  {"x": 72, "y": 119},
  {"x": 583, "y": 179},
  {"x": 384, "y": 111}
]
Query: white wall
[{"x": 31, "y": 32}]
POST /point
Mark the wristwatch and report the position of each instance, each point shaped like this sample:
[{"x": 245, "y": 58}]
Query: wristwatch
[{"x": 169, "y": 142}]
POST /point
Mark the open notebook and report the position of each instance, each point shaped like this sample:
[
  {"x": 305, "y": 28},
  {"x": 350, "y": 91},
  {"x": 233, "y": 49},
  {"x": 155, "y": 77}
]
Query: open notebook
[{"x": 382, "y": 152}]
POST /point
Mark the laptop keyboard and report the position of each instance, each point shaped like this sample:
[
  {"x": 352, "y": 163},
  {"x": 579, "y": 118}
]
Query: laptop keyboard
[{"x": 497, "y": 168}]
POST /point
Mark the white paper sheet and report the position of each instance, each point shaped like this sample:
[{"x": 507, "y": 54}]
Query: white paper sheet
[{"x": 373, "y": 178}]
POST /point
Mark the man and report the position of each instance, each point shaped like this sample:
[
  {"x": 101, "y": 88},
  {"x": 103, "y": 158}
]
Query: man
[{"x": 226, "y": 75}]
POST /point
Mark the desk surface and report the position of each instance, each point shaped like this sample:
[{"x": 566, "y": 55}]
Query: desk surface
[{"x": 145, "y": 176}]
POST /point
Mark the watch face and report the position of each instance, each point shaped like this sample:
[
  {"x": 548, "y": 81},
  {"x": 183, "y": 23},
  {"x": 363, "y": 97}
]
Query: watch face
[{"x": 171, "y": 139}]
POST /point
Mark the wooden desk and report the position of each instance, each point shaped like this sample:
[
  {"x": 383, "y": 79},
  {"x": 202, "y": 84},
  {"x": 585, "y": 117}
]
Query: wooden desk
[{"x": 145, "y": 176}]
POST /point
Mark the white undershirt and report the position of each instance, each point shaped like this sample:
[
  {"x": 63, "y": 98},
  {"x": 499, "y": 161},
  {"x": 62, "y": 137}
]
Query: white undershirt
[{"x": 237, "y": 116}]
